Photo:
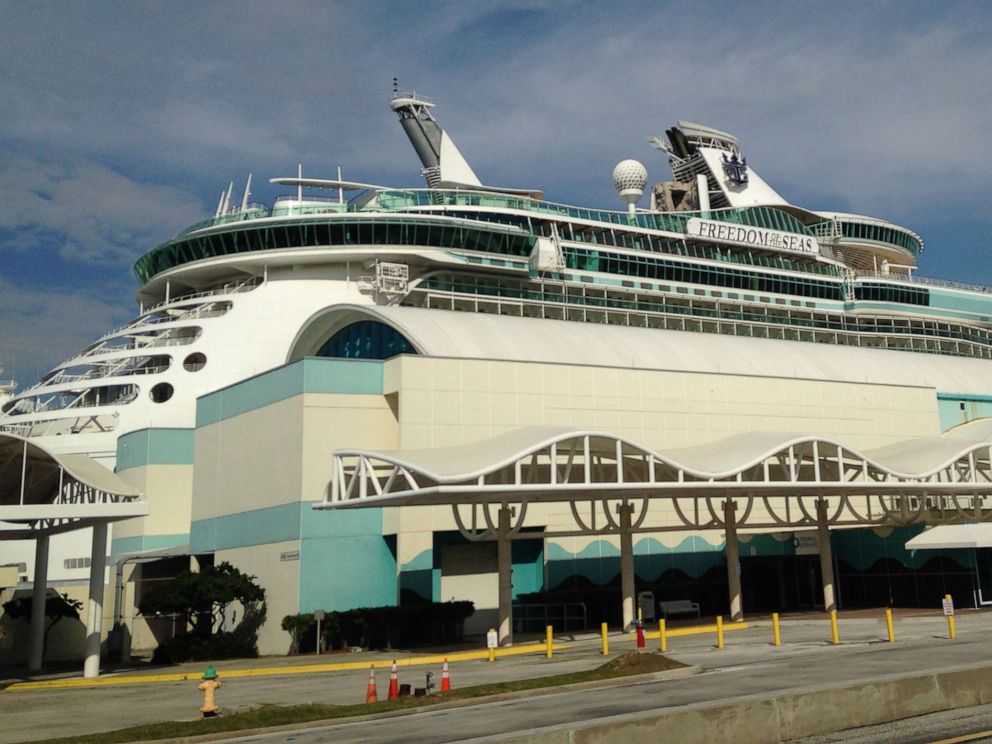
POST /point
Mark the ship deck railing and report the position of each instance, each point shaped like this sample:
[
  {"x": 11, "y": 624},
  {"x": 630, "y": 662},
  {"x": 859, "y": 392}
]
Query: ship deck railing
[
  {"x": 929, "y": 281},
  {"x": 246, "y": 286}
]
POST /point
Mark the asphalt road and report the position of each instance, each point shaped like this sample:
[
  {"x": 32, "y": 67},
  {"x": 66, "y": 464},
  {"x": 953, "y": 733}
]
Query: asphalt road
[
  {"x": 748, "y": 674},
  {"x": 963, "y": 725},
  {"x": 748, "y": 666}
]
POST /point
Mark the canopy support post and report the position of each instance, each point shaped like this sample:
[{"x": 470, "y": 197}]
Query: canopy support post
[
  {"x": 39, "y": 594},
  {"x": 733, "y": 560},
  {"x": 826, "y": 555},
  {"x": 94, "y": 608},
  {"x": 625, "y": 511},
  {"x": 504, "y": 561}
]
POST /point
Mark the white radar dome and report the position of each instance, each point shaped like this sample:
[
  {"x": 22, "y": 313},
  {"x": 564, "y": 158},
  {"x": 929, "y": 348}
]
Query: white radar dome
[{"x": 629, "y": 179}]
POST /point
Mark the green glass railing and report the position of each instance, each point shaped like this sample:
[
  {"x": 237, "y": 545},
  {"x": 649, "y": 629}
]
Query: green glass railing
[
  {"x": 354, "y": 229},
  {"x": 765, "y": 217}
]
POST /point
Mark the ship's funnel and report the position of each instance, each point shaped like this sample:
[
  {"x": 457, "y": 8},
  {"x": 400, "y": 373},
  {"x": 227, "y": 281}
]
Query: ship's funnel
[{"x": 444, "y": 166}]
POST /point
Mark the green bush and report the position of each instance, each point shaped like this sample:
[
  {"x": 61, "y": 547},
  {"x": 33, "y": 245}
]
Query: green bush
[
  {"x": 222, "y": 645},
  {"x": 381, "y": 627}
]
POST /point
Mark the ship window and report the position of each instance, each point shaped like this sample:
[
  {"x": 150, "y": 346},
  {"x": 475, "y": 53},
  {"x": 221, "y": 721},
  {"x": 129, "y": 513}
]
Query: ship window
[
  {"x": 161, "y": 392},
  {"x": 366, "y": 339},
  {"x": 195, "y": 362}
]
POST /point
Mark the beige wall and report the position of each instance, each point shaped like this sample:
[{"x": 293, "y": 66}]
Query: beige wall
[
  {"x": 333, "y": 421},
  {"x": 250, "y": 461},
  {"x": 281, "y": 581},
  {"x": 169, "y": 492},
  {"x": 451, "y": 401}
]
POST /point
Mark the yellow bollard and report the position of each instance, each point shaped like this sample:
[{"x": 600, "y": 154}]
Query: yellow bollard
[
  {"x": 834, "y": 632},
  {"x": 662, "y": 635},
  {"x": 492, "y": 654},
  {"x": 640, "y": 614},
  {"x": 776, "y": 631},
  {"x": 719, "y": 631},
  {"x": 606, "y": 641},
  {"x": 952, "y": 631},
  {"x": 889, "y": 627},
  {"x": 548, "y": 649}
]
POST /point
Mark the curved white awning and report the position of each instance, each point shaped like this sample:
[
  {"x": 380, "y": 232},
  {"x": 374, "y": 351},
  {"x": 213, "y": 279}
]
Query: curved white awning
[
  {"x": 952, "y": 536},
  {"x": 912, "y": 459},
  {"x": 41, "y": 491}
]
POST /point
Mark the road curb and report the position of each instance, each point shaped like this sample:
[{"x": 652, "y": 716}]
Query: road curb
[{"x": 781, "y": 717}]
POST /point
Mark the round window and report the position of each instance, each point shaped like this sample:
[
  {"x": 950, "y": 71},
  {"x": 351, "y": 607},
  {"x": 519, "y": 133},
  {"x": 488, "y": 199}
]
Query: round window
[
  {"x": 161, "y": 392},
  {"x": 195, "y": 362}
]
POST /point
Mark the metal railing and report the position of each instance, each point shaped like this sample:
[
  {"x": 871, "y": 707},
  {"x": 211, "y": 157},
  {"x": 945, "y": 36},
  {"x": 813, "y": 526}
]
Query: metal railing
[{"x": 929, "y": 281}]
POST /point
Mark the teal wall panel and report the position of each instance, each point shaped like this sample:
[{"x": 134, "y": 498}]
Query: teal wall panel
[
  {"x": 599, "y": 561},
  {"x": 863, "y": 549},
  {"x": 257, "y": 527},
  {"x": 345, "y": 561},
  {"x": 527, "y": 558},
  {"x": 145, "y": 543},
  {"x": 958, "y": 409},
  {"x": 341, "y": 573},
  {"x": 421, "y": 577},
  {"x": 347, "y": 376},
  {"x": 154, "y": 447}
]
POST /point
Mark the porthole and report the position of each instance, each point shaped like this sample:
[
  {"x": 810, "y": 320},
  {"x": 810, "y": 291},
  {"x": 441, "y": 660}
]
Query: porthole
[
  {"x": 195, "y": 362},
  {"x": 161, "y": 392}
]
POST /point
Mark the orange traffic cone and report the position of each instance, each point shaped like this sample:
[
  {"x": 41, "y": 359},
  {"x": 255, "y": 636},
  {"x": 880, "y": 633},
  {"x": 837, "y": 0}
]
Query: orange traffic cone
[
  {"x": 371, "y": 696},
  {"x": 394, "y": 683},
  {"x": 445, "y": 678}
]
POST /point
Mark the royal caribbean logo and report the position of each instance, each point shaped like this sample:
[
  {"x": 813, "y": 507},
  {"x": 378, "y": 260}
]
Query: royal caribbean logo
[{"x": 736, "y": 169}]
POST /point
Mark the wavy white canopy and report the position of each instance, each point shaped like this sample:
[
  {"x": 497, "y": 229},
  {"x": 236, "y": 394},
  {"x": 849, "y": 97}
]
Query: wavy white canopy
[
  {"x": 44, "y": 492},
  {"x": 912, "y": 459}
]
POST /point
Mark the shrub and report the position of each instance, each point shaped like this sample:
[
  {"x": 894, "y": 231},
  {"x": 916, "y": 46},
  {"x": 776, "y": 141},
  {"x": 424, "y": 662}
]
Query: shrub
[{"x": 221, "y": 645}]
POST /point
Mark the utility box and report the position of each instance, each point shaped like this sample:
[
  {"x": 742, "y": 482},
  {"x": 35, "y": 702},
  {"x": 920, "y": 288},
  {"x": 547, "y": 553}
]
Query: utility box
[{"x": 645, "y": 600}]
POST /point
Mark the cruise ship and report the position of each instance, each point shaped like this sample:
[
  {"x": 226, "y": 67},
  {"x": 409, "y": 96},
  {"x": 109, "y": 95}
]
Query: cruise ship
[
  {"x": 711, "y": 275},
  {"x": 718, "y": 251}
]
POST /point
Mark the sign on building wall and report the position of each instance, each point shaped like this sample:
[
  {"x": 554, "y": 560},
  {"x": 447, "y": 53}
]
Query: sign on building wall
[{"x": 806, "y": 543}]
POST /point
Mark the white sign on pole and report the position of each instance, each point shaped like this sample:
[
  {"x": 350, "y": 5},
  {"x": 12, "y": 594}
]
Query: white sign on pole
[
  {"x": 806, "y": 543},
  {"x": 492, "y": 639},
  {"x": 948, "y": 606}
]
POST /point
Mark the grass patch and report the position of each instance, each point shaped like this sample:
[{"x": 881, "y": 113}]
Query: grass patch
[{"x": 265, "y": 716}]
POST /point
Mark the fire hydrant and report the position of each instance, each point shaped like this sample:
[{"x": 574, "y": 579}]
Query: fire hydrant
[{"x": 208, "y": 685}]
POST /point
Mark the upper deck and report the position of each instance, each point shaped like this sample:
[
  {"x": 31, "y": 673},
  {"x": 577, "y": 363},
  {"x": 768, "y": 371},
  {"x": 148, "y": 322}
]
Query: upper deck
[{"x": 838, "y": 239}]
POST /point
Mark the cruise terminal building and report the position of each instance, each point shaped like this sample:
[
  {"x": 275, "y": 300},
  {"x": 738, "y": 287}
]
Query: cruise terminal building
[{"x": 825, "y": 453}]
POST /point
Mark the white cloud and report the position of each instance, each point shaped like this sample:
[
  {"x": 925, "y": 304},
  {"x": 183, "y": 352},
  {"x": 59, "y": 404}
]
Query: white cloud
[
  {"x": 40, "y": 327},
  {"x": 85, "y": 211}
]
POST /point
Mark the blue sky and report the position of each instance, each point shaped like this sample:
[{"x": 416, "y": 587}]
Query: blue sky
[{"x": 120, "y": 123}]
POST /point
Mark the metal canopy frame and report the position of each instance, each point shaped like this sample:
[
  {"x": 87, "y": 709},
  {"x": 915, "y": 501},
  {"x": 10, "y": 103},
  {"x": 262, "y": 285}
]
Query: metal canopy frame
[
  {"x": 44, "y": 494},
  {"x": 777, "y": 489},
  {"x": 615, "y": 486}
]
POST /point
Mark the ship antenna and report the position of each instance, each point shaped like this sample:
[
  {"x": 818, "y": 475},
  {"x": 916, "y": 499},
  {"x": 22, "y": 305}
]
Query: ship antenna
[
  {"x": 227, "y": 197},
  {"x": 299, "y": 182},
  {"x": 396, "y": 87},
  {"x": 244, "y": 198}
]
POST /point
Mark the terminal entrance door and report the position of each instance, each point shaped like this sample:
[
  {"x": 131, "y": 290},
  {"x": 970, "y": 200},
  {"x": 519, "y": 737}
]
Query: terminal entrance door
[
  {"x": 785, "y": 583},
  {"x": 983, "y": 573}
]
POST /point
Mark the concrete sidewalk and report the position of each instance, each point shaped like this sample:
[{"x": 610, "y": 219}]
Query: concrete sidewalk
[{"x": 33, "y": 714}]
